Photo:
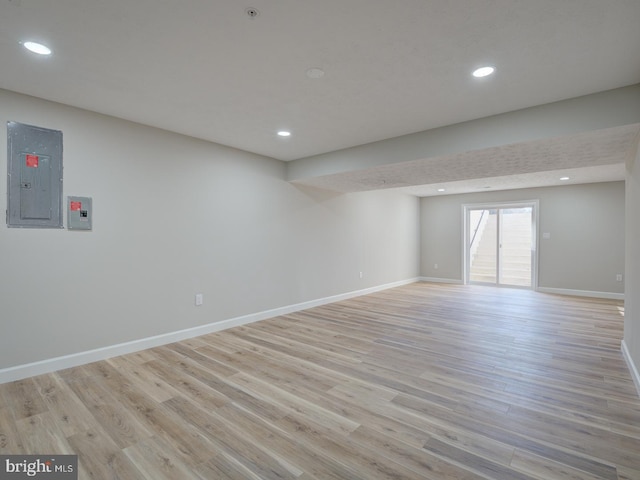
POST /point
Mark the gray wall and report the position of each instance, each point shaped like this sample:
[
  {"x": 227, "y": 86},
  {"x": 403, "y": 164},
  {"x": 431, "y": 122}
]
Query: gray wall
[
  {"x": 632, "y": 290},
  {"x": 174, "y": 216},
  {"x": 586, "y": 223}
]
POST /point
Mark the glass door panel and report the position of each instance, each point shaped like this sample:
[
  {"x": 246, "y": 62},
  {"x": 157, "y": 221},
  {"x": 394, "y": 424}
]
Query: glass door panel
[
  {"x": 500, "y": 245},
  {"x": 483, "y": 254},
  {"x": 515, "y": 246}
]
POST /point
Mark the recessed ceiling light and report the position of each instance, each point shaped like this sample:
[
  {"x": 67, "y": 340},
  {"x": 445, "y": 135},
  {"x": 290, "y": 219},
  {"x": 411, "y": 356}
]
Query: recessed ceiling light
[
  {"x": 442, "y": 189},
  {"x": 38, "y": 48},
  {"x": 483, "y": 71},
  {"x": 564, "y": 179},
  {"x": 284, "y": 133}
]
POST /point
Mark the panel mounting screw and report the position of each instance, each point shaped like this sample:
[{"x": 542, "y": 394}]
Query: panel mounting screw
[{"x": 252, "y": 12}]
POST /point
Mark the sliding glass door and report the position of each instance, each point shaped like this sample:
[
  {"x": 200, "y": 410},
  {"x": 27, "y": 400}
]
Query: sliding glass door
[{"x": 500, "y": 244}]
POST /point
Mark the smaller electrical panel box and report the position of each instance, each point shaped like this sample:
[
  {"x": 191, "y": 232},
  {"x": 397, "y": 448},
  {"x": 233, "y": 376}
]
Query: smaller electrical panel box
[{"x": 79, "y": 213}]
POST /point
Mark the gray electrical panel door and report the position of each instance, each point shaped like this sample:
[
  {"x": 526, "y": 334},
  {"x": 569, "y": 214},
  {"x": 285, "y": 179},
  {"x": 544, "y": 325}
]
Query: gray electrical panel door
[{"x": 34, "y": 176}]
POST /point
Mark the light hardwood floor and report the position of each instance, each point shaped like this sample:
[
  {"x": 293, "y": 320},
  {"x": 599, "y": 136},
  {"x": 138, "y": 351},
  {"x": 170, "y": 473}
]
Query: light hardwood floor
[{"x": 425, "y": 381}]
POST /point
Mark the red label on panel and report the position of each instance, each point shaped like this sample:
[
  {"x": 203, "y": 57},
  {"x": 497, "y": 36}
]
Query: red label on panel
[
  {"x": 32, "y": 161},
  {"x": 76, "y": 206}
]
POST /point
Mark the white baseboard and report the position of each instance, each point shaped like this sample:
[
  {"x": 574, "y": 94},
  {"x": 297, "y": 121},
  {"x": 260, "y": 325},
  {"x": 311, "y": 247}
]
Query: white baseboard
[
  {"x": 440, "y": 280},
  {"x": 59, "y": 363},
  {"x": 632, "y": 366},
  {"x": 582, "y": 293},
  {"x": 559, "y": 291}
]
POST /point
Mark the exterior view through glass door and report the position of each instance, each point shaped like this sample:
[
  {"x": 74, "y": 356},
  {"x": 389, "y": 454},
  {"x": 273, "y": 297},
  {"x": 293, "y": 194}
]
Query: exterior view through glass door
[{"x": 501, "y": 245}]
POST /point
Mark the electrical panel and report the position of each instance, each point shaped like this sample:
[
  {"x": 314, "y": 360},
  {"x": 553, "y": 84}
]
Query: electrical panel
[
  {"x": 79, "y": 213},
  {"x": 34, "y": 164}
]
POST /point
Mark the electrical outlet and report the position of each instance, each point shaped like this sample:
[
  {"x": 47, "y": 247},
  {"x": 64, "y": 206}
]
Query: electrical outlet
[
  {"x": 618, "y": 277},
  {"x": 199, "y": 299},
  {"x": 361, "y": 275},
  {"x": 435, "y": 266}
]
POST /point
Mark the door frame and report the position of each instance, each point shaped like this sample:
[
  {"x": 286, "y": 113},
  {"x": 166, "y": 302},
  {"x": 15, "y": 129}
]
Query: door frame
[{"x": 466, "y": 237}]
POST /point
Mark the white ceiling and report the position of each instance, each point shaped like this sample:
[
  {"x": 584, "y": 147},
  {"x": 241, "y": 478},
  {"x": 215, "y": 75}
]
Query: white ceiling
[{"x": 206, "y": 69}]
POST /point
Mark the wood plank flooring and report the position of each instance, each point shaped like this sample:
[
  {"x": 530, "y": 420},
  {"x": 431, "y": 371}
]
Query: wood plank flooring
[{"x": 425, "y": 381}]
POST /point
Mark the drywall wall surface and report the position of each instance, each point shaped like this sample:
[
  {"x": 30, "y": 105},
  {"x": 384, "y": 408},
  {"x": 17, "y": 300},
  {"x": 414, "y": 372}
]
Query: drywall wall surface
[
  {"x": 585, "y": 250},
  {"x": 585, "y": 225},
  {"x": 441, "y": 237},
  {"x": 632, "y": 284},
  {"x": 174, "y": 216}
]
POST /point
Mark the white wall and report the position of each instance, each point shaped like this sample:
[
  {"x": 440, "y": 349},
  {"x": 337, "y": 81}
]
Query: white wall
[
  {"x": 631, "y": 345},
  {"x": 174, "y": 216},
  {"x": 586, "y": 224}
]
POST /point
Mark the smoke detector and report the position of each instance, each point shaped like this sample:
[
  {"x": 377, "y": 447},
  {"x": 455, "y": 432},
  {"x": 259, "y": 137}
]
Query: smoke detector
[{"x": 315, "y": 73}]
